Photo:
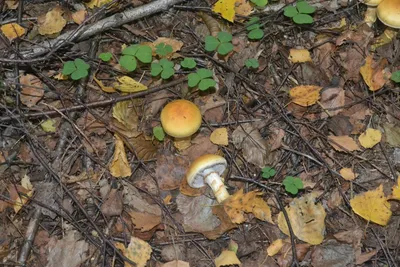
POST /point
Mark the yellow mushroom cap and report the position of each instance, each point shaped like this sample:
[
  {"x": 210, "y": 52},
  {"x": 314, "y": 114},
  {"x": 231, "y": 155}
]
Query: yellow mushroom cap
[
  {"x": 203, "y": 166},
  {"x": 372, "y": 2},
  {"x": 180, "y": 118},
  {"x": 388, "y": 13}
]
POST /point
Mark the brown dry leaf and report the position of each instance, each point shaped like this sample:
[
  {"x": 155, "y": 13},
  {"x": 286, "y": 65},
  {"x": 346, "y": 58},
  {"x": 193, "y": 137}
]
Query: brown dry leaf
[
  {"x": 112, "y": 206},
  {"x": 201, "y": 145},
  {"x": 306, "y": 218},
  {"x": 125, "y": 118},
  {"x": 372, "y": 206},
  {"x": 79, "y": 16},
  {"x": 370, "y": 138},
  {"x": 305, "y": 95},
  {"x": 374, "y": 73},
  {"x": 144, "y": 221},
  {"x": 143, "y": 147},
  {"x": 138, "y": 251},
  {"x": 119, "y": 166},
  {"x": 52, "y": 22},
  {"x": 12, "y": 31},
  {"x": 225, "y": 223},
  {"x": 364, "y": 257},
  {"x": 348, "y": 174},
  {"x": 187, "y": 190},
  {"x": 89, "y": 124},
  {"x": 352, "y": 236},
  {"x": 12, "y": 4},
  {"x": 32, "y": 91},
  {"x": 323, "y": 57},
  {"x": 276, "y": 138},
  {"x": 285, "y": 260},
  {"x": 16, "y": 196},
  {"x": 392, "y": 134},
  {"x": 251, "y": 202},
  {"x": 227, "y": 257},
  {"x": 332, "y": 98},
  {"x": 175, "y": 263},
  {"x": 351, "y": 60},
  {"x": 343, "y": 143},
  {"x": 220, "y": 137},
  {"x": 133, "y": 199},
  {"x": 243, "y": 7},
  {"x": 299, "y": 56},
  {"x": 275, "y": 247},
  {"x": 170, "y": 170},
  {"x": 335, "y": 250},
  {"x": 176, "y": 45}
]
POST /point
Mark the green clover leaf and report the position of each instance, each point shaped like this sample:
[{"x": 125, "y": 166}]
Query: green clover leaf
[
  {"x": 105, "y": 56},
  {"x": 188, "y": 63},
  {"x": 78, "y": 69},
  {"x": 163, "y": 49},
  {"x": 268, "y": 172},
  {"x": 396, "y": 76},
  {"x": 202, "y": 79},
  {"x": 158, "y": 133},
  {"x": 252, "y": 63},
  {"x": 292, "y": 184}
]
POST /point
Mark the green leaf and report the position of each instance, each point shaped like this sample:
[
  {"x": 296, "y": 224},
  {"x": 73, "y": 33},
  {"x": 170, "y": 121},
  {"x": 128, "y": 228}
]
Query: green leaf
[
  {"x": 253, "y": 26},
  {"x": 158, "y": 133},
  {"x": 188, "y": 63},
  {"x": 193, "y": 79},
  {"x": 81, "y": 65},
  {"x": 128, "y": 62},
  {"x": 165, "y": 63},
  {"x": 163, "y": 49},
  {"x": 303, "y": 19},
  {"x": 290, "y": 11},
  {"x": 206, "y": 83},
  {"x": 48, "y": 126},
  {"x": 211, "y": 43},
  {"x": 105, "y": 56},
  {"x": 224, "y": 37},
  {"x": 298, "y": 183},
  {"x": 167, "y": 73},
  {"x": 204, "y": 73},
  {"x": 79, "y": 74},
  {"x": 224, "y": 48},
  {"x": 252, "y": 21},
  {"x": 396, "y": 76},
  {"x": 268, "y": 172},
  {"x": 305, "y": 8},
  {"x": 131, "y": 50},
  {"x": 156, "y": 69},
  {"x": 252, "y": 63},
  {"x": 144, "y": 54},
  {"x": 255, "y": 34},
  {"x": 68, "y": 68},
  {"x": 260, "y": 3},
  {"x": 292, "y": 184}
]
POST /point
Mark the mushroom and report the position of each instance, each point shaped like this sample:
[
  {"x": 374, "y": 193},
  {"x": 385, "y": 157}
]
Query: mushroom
[
  {"x": 208, "y": 169},
  {"x": 370, "y": 13},
  {"x": 388, "y": 13},
  {"x": 181, "y": 119}
]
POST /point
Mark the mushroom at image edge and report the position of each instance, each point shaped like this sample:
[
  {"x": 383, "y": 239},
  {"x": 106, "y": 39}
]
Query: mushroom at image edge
[
  {"x": 181, "y": 119},
  {"x": 388, "y": 13},
  {"x": 370, "y": 13},
  {"x": 208, "y": 169}
]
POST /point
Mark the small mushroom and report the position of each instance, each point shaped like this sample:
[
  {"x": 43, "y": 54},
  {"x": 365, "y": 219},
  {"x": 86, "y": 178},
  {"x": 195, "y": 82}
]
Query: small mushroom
[
  {"x": 208, "y": 169},
  {"x": 370, "y": 13},
  {"x": 388, "y": 13},
  {"x": 181, "y": 119}
]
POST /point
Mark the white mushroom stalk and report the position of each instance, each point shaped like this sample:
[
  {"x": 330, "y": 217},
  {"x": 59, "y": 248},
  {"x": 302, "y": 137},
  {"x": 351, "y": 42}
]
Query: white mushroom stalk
[{"x": 217, "y": 186}]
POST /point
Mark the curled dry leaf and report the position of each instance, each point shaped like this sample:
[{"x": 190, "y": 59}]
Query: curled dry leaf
[
  {"x": 306, "y": 218},
  {"x": 128, "y": 85},
  {"x": 52, "y": 22},
  {"x": 219, "y": 137},
  {"x": 374, "y": 73},
  {"x": 119, "y": 166},
  {"x": 343, "y": 143},
  {"x": 299, "y": 56},
  {"x": 31, "y": 91},
  {"x": 305, "y": 95},
  {"x": 12, "y": 31}
]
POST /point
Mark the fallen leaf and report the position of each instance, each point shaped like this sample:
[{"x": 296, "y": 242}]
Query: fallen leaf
[
  {"x": 31, "y": 92},
  {"x": 243, "y": 8},
  {"x": 219, "y": 137},
  {"x": 227, "y": 257},
  {"x": 343, "y": 143},
  {"x": 331, "y": 252},
  {"x": 138, "y": 251},
  {"x": 370, "y": 138},
  {"x": 143, "y": 147},
  {"x": 119, "y": 166},
  {"x": 112, "y": 206},
  {"x": 107, "y": 89},
  {"x": 332, "y": 98},
  {"x": 16, "y": 196},
  {"x": 52, "y": 22},
  {"x": 275, "y": 247},
  {"x": 306, "y": 218},
  {"x": 305, "y": 95},
  {"x": 224, "y": 226},
  {"x": 170, "y": 170},
  {"x": 352, "y": 236},
  {"x": 97, "y": 3},
  {"x": 226, "y": 8},
  {"x": 128, "y": 85},
  {"x": 299, "y": 56},
  {"x": 374, "y": 73},
  {"x": 12, "y": 31},
  {"x": 251, "y": 202},
  {"x": 175, "y": 44},
  {"x": 348, "y": 174},
  {"x": 144, "y": 221},
  {"x": 48, "y": 126},
  {"x": 372, "y": 206},
  {"x": 364, "y": 257},
  {"x": 276, "y": 138},
  {"x": 177, "y": 263},
  {"x": 286, "y": 257},
  {"x": 12, "y": 4},
  {"x": 79, "y": 16},
  {"x": 392, "y": 134},
  {"x": 396, "y": 190},
  {"x": 126, "y": 119}
]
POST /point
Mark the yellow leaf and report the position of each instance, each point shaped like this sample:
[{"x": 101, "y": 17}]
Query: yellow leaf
[
  {"x": 372, "y": 206},
  {"x": 306, "y": 218},
  {"x": 243, "y": 8},
  {"x": 226, "y": 8},
  {"x": 129, "y": 85},
  {"x": 348, "y": 174},
  {"x": 12, "y": 30},
  {"x": 305, "y": 95},
  {"x": 219, "y": 137},
  {"x": 138, "y": 251},
  {"x": 227, "y": 257},
  {"x": 16, "y": 191},
  {"x": 343, "y": 143},
  {"x": 370, "y": 138},
  {"x": 26, "y": 182},
  {"x": 251, "y": 202},
  {"x": 79, "y": 16},
  {"x": 275, "y": 247},
  {"x": 119, "y": 166},
  {"x": 97, "y": 3},
  {"x": 48, "y": 126},
  {"x": 107, "y": 89},
  {"x": 52, "y": 22},
  {"x": 299, "y": 56},
  {"x": 61, "y": 77},
  {"x": 374, "y": 73},
  {"x": 396, "y": 190}
]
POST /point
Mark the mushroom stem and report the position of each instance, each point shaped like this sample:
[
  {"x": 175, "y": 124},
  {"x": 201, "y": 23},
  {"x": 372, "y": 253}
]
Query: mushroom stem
[
  {"x": 370, "y": 16},
  {"x": 218, "y": 187}
]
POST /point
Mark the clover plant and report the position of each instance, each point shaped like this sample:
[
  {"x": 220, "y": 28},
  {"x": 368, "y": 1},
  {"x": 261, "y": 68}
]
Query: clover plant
[
  {"x": 163, "y": 49},
  {"x": 133, "y": 53},
  {"x": 188, "y": 63},
  {"x": 300, "y": 12},
  {"x": 202, "y": 79},
  {"x": 78, "y": 69},
  {"x": 254, "y": 31},
  {"x": 164, "y": 67},
  {"x": 222, "y": 43},
  {"x": 292, "y": 184}
]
